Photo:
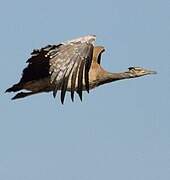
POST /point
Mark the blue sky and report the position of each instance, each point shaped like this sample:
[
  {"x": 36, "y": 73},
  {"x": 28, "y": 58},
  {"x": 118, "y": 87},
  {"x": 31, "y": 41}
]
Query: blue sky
[{"x": 120, "y": 130}]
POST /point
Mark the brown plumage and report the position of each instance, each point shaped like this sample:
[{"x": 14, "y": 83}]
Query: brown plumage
[{"x": 70, "y": 66}]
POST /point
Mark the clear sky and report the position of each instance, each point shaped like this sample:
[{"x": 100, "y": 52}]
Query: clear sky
[{"x": 121, "y": 130}]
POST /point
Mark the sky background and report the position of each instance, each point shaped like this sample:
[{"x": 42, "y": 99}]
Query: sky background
[{"x": 120, "y": 130}]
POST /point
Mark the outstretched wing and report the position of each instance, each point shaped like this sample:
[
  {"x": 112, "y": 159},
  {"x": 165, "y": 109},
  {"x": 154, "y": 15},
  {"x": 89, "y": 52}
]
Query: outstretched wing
[
  {"x": 67, "y": 62},
  {"x": 71, "y": 61}
]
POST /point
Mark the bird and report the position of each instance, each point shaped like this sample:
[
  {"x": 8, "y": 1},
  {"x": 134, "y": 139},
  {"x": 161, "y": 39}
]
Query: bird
[{"x": 73, "y": 65}]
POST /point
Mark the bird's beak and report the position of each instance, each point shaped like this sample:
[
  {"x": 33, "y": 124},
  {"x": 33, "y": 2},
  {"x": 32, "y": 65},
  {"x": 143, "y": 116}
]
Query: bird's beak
[{"x": 147, "y": 71}]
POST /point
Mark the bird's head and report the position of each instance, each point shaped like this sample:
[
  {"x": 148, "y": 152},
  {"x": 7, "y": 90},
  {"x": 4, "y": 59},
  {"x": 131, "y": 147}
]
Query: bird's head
[{"x": 138, "y": 71}]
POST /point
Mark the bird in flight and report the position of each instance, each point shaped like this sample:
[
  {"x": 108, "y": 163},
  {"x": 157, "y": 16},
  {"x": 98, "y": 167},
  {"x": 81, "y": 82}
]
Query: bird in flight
[{"x": 73, "y": 66}]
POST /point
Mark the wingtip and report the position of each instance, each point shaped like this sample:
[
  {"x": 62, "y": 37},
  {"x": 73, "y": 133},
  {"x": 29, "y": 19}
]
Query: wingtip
[
  {"x": 6, "y": 91},
  {"x": 54, "y": 93},
  {"x": 14, "y": 88},
  {"x": 62, "y": 102},
  {"x": 62, "y": 98},
  {"x": 19, "y": 95},
  {"x": 9, "y": 90},
  {"x": 80, "y": 95},
  {"x": 72, "y": 96},
  {"x": 14, "y": 98}
]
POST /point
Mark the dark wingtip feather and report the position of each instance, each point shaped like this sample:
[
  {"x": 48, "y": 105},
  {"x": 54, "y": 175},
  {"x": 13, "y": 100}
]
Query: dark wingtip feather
[
  {"x": 63, "y": 92},
  {"x": 80, "y": 94},
  {"x": 54, "y": 93},
  {"x": 86, "y": 79},
  {"x": 64, "y": 88},
  {"x": 20, "y": 95},
  {"x": 14, "y": 88},
  {"x": 72, "y": 96},
  {"x": 73, "y": 81},
  {"x": 8, "y": 90},
  {"x": 16, "y": 96}
]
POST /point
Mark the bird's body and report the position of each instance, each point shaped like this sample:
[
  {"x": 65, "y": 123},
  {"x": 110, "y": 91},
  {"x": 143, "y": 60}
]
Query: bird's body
[
  {"x": 46, "y": 85},
  {"x": 70, "y": 66}
]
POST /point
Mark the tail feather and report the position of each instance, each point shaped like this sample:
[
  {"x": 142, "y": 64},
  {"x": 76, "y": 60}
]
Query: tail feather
[{"x": 14, "y": 88}]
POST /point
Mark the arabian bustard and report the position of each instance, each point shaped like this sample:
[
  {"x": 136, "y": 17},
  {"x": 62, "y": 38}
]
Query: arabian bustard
[{"x": 70, "y": 66}]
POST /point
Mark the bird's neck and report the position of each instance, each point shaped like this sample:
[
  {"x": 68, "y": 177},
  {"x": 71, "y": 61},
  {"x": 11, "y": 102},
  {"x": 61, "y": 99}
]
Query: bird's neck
[{"x": 108, "y": 77}]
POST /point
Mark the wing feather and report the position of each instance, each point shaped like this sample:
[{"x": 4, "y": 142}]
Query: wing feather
[
  {"x": 38, "y": 64},
  {"x": 66, "y": 79},
  {"x": 74, "y": 78},
  {"x": 80, "y": 79},
  {"x": 72, "y": 60}
]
